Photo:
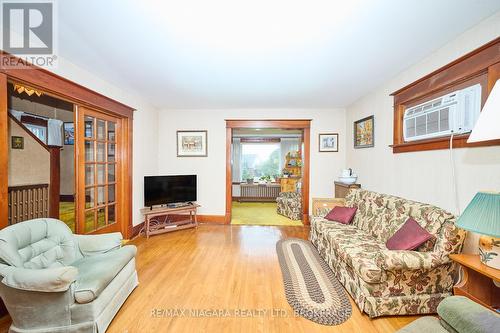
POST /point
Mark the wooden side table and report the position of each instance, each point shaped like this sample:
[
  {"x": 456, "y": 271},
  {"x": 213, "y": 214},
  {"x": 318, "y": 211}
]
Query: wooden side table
[
  {"x": 320, "y": 205},
  {"x": 341, "y": 189},
  {"x": 477, "y": 282}
]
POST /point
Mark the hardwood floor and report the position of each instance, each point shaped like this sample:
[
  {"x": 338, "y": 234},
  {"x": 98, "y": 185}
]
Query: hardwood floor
[{"x": 221, "y": 267}]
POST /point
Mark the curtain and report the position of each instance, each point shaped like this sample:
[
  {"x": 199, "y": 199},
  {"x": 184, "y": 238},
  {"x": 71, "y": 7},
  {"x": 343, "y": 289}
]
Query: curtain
[
  {"x": 54, "y": 135},
  {"x": 236, "y": 171},
  {"x": 288, "y": 145}
]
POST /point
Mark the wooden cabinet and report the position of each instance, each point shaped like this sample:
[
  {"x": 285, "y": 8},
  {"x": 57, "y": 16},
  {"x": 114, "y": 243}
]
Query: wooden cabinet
[
  {"x": 322, "y": 205},
  {"x": 341, "y": 189},
  {"x": 478, "y": 281}
]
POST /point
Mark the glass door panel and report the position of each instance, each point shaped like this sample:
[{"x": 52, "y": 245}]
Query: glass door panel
[{"x": 100, "y": 166}]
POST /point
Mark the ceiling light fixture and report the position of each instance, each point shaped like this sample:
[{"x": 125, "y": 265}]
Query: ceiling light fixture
[{"x": 28, "y": 90}]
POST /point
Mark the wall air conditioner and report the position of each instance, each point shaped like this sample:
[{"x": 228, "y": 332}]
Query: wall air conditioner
[{"x": 456, "y": 113}]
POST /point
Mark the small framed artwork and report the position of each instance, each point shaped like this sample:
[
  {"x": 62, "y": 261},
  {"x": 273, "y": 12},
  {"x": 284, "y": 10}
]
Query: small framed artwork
[
  {"x": 328, "y": 142},
  {"x": 69, "y": 133},
  {"x": 192, "y": 143},
  {"x": 17, "y": 142},
  {"x": 364, "y": 133}
]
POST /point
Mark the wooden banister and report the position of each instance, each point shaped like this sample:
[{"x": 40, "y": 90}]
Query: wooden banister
[
  {"x": 27, "y": 202},
  {"x": 55, "y": 170}
]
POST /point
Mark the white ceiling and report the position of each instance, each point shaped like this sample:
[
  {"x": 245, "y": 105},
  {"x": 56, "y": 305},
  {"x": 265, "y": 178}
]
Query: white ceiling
[{"x": 257, "y": 53}]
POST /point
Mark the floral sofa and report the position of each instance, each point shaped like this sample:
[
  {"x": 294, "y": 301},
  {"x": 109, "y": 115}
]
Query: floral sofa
[
  {"x": 289, "y": 204},
  {"x": 381, "y": 281}
]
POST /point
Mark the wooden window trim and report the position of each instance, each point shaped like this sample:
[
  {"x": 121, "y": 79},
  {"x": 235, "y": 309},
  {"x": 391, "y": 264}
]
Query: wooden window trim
[
  {"x": 260, "y": 140},
  {"x": 479, "y": 66}
]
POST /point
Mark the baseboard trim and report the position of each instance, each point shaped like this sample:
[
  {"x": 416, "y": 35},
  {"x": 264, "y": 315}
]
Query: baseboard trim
[
  {"x": 66, "y": 198},
  {"x": 216, "y": 219},
  {"x": 135, "y": 230}
]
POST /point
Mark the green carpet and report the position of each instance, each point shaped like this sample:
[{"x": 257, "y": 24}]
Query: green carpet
[
  {"x": 259, "y": 213},
  {"x": 67, "y": 214}
]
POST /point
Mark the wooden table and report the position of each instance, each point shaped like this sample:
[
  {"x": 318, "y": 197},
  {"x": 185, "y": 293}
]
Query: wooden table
[
  {"x": 477, "y": 281},
  {"x": 322, "y": 204},
  {"x": 160, "y": 220},
  {"x": 342, "y": 189}
]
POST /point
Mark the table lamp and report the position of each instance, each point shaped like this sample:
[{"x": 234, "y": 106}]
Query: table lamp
[{"x": 482, "y": 215}]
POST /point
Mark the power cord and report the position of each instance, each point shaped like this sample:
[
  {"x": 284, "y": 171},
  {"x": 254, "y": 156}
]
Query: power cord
[{"x": 454, "y": 180}]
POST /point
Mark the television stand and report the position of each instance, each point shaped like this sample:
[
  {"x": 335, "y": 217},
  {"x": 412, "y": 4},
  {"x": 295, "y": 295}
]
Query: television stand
[{"x": 159, "y": 220}]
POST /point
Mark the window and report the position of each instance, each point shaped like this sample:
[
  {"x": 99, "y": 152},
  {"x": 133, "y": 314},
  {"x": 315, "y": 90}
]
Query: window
[
  {"x": 39, "y": 131},
  {"x": 481, "y": 66},
  {"x": 260, "y": 160}
]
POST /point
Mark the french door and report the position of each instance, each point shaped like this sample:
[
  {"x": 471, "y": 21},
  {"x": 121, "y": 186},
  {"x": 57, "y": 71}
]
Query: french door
[{"x": 99, "y": 163}]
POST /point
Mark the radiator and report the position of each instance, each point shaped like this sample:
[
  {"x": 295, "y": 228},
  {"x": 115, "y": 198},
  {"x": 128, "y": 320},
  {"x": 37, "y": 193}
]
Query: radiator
[
  {"x": 28, "y": 202},
  {"x": 251, "y": 192}
]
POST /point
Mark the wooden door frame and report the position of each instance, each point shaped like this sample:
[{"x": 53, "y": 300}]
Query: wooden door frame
[
  {"x": 62, "y": 88},
  {"x": 298, "y": 124}
]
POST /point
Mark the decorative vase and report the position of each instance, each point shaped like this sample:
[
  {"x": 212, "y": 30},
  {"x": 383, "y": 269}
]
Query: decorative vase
[{"x": 489, "y": 251}]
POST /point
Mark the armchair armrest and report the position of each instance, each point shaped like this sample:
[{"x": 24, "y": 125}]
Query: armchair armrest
[
  {"x": 42, "y": 280},
  {"x": 94, "y": 244},
  {"x": 391, "y": 260}
]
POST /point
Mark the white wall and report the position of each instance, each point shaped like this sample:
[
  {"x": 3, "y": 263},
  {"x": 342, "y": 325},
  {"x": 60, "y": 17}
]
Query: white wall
[
  {"x": 22, "y": 161},
  {"x": 211, "y": 170},
  {"x": 145, "y": 131},
  {"x": 424, "y": 176}
]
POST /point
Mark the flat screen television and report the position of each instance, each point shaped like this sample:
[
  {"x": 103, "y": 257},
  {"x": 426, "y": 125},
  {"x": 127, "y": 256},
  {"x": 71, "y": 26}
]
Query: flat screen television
[{"x": 161, "y": 190}]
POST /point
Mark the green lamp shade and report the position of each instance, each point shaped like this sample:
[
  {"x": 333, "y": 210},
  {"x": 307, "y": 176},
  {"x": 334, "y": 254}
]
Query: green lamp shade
[{"x": 482, "y": 215}]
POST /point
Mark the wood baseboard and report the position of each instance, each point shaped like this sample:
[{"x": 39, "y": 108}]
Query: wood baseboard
[
  {"x": 134, "y": 231},
  {"x": 216, "y": 219},
  {"x": 66, "y": 198}
]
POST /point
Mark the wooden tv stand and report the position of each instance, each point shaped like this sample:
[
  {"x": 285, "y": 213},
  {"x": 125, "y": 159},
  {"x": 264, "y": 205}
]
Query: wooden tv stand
[{"x": 160, "y": 220}]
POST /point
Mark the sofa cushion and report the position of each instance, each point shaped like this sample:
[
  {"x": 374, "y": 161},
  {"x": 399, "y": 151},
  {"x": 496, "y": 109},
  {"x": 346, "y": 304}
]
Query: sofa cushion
[
  {"x": 386, "y": 223},
  {"x": 358, "y": 249},
  {"x": 37, "y": 244},
  {"x": 342, "y": 215},
  {"x": 461, "y": 314},
  {"x": 410, "y": 236},
  {"x": 97, "y": 271},
  {"x": 430, "y": 218}
]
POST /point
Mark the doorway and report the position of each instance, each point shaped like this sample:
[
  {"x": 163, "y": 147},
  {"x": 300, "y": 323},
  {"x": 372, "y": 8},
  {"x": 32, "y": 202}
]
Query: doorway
[
  {"x": 64, "y": 132},
  {"x": 267, "y": 177},
  {"x": 41, "y": 165},
  {"x": 302, "y": 126}
]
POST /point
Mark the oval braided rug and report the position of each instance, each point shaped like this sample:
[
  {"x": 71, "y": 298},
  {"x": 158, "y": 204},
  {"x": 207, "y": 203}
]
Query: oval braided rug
[{"x": 311, "y": 288}]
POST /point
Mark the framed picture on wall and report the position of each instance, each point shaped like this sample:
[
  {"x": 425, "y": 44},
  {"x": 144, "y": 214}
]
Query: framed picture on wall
[
  {"x": 328, "y": 142},
  {"x": 69, "y": 133},
  {"x": 192, "y": 143},
  {"x": 364, "y": 136},
  {"x": 17, "y": 142}
]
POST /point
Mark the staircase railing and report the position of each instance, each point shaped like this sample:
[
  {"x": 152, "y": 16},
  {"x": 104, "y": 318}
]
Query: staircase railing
[{"x": 28, "y": 202}]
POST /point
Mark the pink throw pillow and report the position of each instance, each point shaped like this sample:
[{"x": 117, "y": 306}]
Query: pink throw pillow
[
  {"x": 343, "y": 215},
  {"x": 410, "y": 236}
]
